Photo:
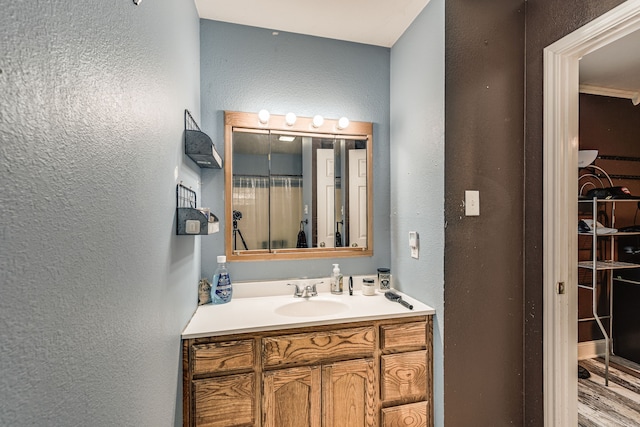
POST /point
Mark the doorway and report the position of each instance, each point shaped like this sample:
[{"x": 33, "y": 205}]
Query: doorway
[{"x": 560, "y": 121}]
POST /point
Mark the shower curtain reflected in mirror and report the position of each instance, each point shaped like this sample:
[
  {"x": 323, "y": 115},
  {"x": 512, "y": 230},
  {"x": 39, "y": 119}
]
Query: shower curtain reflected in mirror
[
  {"x": 286, "y": 210},
  {"x": 254, "y": 197}
]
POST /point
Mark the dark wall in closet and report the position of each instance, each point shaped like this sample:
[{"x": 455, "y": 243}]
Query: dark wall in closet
[
  {"x": 547, "y": 21},
  {"x": 611, "y": 126}
]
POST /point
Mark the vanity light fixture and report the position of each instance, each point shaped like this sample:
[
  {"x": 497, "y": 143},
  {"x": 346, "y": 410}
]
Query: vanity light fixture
[
  {"x": 343, "y": 123},
  {"x": 290, "y": 119},
  {"x": 263, "y": 117},
  {"x": 318, "y": 120}
]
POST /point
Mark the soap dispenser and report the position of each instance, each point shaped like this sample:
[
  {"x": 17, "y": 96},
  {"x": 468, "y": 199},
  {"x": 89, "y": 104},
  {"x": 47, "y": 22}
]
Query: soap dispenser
[{"x": 336, "y": 280}]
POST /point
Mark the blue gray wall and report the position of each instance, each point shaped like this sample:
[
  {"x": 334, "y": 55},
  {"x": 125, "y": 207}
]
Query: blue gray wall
[
  {"x": 417, "y": 170},
  {"x": 95, "y": 287},
  {"x": 247, "y": 69}
]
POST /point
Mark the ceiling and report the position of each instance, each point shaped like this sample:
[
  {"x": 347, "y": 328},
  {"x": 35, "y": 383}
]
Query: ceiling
[
  {"x": 374, "y": 22},
  {"x": 614, "y": 69}
]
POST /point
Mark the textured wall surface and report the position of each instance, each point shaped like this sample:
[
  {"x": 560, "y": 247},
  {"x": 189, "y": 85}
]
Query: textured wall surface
[
  {"x": 247, "y": 69},
  {"x": 547, "y": 22},
  {"x": 417, "y": 170},
  {"x": 95, "y": 288},
  {"x": 483, "y": 259}
]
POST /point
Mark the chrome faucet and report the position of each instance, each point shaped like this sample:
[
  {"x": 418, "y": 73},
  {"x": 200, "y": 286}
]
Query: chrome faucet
[{"x": 305, "y": 292}]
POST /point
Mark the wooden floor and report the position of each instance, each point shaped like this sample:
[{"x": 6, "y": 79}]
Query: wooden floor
[{"x": 617, "y": 405}]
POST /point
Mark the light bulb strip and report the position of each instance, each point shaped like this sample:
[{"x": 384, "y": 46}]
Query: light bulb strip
[{"x": 290, "y": 119}]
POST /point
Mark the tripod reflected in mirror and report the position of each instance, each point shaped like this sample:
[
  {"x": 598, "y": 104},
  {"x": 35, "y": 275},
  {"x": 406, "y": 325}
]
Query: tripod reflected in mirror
[
  {"x": 338, "y": 241},
  {"x": 237, "y": 215}
]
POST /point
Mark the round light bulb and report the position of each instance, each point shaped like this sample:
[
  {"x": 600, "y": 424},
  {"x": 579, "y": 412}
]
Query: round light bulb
[
  {"x": 318, "y": 120},
  {"x": 343, "y": 123},
  {"x": 290, "y": 119},
  {"x": 263, "y": 116}
]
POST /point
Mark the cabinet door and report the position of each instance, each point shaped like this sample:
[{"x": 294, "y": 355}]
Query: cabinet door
[
  {"x": 405, "y": 377},
  {"x": 349, "y": 394},
  {"x": 292, "y": 397},
  {"x": 225, "y": 401}
]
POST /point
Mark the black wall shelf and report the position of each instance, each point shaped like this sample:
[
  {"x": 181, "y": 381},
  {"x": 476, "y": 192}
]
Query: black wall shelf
[
  {"x": 189, "y": 219},
  {"x": 198, "y": 145}
]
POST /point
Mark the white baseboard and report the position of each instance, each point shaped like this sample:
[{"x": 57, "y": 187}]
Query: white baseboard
[{"x": 591, "y": 349}]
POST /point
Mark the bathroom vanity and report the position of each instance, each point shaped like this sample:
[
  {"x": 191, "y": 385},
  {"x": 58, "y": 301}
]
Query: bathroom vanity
[{"x": 369, "y": 364}]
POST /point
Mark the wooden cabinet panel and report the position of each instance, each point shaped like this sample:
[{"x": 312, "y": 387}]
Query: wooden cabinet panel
[
  {"x": 225, "y": 401},
  {"x": 292, "y": 397},
  {"x": 316, "y": 347},
  {"x": 349, "y": 394},
  {"x": 369, "y": 374},
  {"x": 404, "y": 376},
  {"x": 223, "y": 356},
  {"x": 403, "y": 335},
  {"x": 411, "y": 415}
]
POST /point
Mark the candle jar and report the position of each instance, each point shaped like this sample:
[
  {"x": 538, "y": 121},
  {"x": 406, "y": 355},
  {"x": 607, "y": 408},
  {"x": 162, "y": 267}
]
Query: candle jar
[
  {"x": 368, "y": 287},
  {"x": 384, "y": 279}
]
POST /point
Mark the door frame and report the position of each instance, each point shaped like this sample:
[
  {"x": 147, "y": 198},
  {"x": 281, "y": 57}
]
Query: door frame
[{"x": 560, "y": 183}]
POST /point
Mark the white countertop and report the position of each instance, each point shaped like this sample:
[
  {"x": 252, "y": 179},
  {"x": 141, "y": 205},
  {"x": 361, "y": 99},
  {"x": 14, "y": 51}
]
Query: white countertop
[{"x": 258, "y": 313}]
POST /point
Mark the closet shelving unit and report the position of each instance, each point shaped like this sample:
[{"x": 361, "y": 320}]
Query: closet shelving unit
[{"x": 606, "y": 262}]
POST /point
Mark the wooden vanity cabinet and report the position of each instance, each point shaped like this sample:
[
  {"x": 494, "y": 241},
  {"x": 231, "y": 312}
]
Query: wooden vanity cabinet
[
  {"x": 406, "y": 371},
  {"x": 363, "y": 374},
  {"x": 220, "y": 383},
  {"x": 342, "y": 392}
]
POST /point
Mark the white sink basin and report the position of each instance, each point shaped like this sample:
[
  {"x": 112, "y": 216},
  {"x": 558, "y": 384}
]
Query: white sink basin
[{"x": 311, "y": 307}]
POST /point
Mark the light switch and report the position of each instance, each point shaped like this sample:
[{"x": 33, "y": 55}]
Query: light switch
[
  {"x": 414, "y": 244},
  {"x": 472, "y": 203}
]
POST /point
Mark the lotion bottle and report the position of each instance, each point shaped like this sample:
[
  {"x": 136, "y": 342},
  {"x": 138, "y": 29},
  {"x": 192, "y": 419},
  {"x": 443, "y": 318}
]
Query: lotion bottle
[{"x": 336, "y": 280}]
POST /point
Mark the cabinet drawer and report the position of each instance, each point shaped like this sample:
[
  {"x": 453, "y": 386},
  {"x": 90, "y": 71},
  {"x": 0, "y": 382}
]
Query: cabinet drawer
[
  {"x": 404, "y": 376},
  {"x": 225, "y": 401},
  {"x": 403, "y": 335},
  {"x": 411, "y": 415},
  {"x": 223, "y": 356},
  {"x": 315, "y": 347}
]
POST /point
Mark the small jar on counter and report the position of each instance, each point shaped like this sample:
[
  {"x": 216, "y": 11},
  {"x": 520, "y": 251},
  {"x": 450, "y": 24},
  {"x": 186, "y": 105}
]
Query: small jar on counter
[
  {"x": 384, "y": 279},
  {"x": 368, "y": 287}
]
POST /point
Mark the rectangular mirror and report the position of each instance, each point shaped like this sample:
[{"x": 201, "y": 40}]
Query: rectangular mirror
[{"x": 299, "y": 191}]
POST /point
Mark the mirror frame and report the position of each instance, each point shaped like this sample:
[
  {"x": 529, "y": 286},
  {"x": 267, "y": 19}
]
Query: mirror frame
[{"x": 355, "y": 130}]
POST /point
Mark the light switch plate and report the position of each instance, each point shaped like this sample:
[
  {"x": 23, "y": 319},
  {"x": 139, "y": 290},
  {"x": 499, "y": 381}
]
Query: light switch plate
[
  {"x": 414, "y": 244},
  {"x": 472, "y": 203}
]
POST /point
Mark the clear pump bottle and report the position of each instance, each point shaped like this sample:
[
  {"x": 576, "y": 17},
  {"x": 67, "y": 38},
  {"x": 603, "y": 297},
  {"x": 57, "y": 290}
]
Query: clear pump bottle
[{"x": 221, "y": 289}]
